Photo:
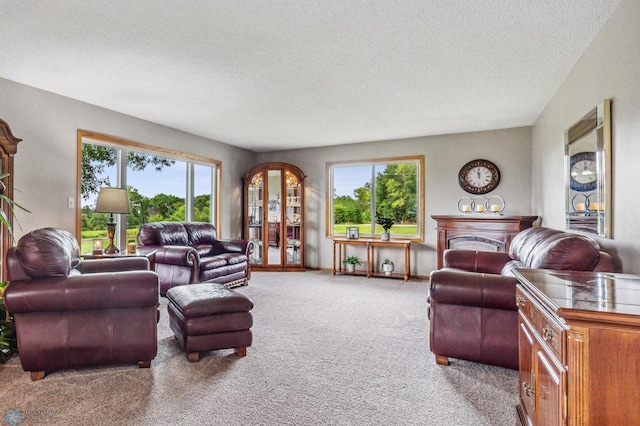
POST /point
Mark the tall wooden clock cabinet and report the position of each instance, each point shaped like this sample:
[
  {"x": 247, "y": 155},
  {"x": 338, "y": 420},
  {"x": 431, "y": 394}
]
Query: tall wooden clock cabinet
[
  {"x": 274, "y": 216},
  {"x": 8, "y": 148}
]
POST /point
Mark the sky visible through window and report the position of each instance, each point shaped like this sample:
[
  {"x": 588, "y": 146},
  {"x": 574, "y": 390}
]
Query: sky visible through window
[
  {"x": 170, "y": 181},
  {"x": 347, "y": 179}
]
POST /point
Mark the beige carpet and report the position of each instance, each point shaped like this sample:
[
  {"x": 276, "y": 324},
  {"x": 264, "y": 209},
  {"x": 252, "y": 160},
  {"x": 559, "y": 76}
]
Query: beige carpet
[{"x": 327, "y": 350}]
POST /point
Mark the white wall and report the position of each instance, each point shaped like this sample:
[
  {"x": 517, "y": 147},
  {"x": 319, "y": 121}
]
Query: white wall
[
  {"x": 45, "y": 165},
  {"x": 509, "y": 149},
  {"x": 610, "y": 68}
]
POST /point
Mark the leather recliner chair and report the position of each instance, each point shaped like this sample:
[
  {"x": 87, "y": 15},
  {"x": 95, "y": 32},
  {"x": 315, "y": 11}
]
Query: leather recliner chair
[
  {"x": 472, "y": 300},
  {"x": 72, "y": 313}
]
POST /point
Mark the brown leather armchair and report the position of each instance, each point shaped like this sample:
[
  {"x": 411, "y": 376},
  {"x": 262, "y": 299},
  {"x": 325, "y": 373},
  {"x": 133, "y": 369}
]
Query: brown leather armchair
[
  {"x": 472, "y": 300},
  {"x": 71, "y": 313}
]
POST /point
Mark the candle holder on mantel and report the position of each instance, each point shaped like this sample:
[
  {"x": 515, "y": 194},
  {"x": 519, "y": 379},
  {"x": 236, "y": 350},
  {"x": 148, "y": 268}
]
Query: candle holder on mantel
[{"x": 480, "y": 205}]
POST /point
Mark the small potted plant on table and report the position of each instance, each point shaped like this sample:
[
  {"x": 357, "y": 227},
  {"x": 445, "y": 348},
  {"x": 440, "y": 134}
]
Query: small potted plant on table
[
  {"x": 386, "y": 223},
  {"x": 387, "y": 266},
  {"x": 351, "y": 262}
]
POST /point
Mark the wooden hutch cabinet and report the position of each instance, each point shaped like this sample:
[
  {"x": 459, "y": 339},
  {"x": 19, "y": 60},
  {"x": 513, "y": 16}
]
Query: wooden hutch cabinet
[
  {"x": 8, "y": 149},
  {"x": 274, "y": 216},
  {"x": 579, "y": 334}
]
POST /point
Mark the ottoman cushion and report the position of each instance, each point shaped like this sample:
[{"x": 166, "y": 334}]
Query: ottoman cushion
[{"x": 198, "y": 300}]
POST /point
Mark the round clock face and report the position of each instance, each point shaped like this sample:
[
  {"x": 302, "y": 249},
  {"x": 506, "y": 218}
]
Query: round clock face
[
  {"x": 583, "y": 170},
  {"x": 479, "y": 177}
]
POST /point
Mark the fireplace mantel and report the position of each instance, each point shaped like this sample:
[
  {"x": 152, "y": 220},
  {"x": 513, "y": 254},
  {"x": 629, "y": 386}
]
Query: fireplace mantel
[{"x": 484, "y": 232}]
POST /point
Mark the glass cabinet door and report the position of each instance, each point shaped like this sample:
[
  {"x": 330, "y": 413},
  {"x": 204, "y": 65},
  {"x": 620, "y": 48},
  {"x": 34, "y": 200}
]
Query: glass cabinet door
[
  {"x": 293, "y": 214},
  {"x": 274, "y": 216},
  {"x": 274, "y": 255},
  {"x": 255, "y": 209}
]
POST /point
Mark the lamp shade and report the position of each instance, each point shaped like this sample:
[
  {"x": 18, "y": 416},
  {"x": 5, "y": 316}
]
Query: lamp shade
[{"x": 112, "y": 200}]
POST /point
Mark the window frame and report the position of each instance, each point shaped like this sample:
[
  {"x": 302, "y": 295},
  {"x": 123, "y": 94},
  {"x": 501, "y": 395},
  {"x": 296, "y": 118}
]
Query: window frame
[
  {"x": 419, "y": 159},
  {"x": 124, "y": 145}
]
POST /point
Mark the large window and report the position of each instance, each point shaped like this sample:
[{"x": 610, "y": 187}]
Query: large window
[
  {"x": 361, "y": 193},
  {"x": 162, "y": 185}
]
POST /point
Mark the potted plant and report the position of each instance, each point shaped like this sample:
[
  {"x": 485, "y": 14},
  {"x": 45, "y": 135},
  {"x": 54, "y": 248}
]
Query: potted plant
[
  {"x": 351, "y": 262},
  {"x": 8, "y": 342},
  {"x": 386, "y": 223},
  {"x": 387, "y": 266}
]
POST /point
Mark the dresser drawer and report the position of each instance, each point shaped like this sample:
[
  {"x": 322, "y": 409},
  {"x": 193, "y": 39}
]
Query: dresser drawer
[{"x": 548, "y": 330}]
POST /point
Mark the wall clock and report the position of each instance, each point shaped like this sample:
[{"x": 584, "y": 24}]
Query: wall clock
[
  {"x": 583, "y": 172},
  {"x": 479, "y": 177}
]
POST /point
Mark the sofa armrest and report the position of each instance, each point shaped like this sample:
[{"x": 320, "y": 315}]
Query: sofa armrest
[
  {"x": 233, "y": 246},
  {"x": 174, "y": 255},
  {"x": 92, "y": 266},
  {"x": 489, "y": 262},
  {"x": 107, "y": 290},
  {"x": 473, "y": 289}
]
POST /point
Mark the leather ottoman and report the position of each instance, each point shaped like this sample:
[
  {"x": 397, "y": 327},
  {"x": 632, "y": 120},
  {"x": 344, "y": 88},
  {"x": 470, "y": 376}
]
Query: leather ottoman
[{"x": 209, "y": 316}]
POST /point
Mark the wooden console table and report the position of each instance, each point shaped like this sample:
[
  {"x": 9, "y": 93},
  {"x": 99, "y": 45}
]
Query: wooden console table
[
  {"x": 485, "y": 232},
  {"x": 339, "y": 249},
  {"x": 578, "y": 340}
]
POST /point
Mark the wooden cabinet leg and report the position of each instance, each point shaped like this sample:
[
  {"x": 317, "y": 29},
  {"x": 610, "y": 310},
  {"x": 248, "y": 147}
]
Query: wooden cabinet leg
[{"x": 442, "y": 360}]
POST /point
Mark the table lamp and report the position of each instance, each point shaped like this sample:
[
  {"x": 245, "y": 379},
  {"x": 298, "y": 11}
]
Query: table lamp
[{"x": 112, "y": 200}]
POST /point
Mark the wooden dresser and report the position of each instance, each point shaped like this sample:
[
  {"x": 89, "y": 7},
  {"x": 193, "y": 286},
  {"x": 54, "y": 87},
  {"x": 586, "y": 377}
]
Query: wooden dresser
[
  {"x": 579, "y": 345},
  {"x": 486, "y": 232}
]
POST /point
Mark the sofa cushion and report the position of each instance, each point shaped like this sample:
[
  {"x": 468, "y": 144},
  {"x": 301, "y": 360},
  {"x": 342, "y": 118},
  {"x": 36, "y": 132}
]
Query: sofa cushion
[
  {"x": 234, "y": 258},
  {"x": 567, "y": 252},
  {"x": 163, "y": 234},
  {"x": 202, "y": 249},
  {"x": 213, "y": 262},
  {"x": 545, "y": 248},
  {"x": 525, "y": 242},
  {"x": 197, "y": 300},
  {"x": 225, "y": 273},
  {"x": 200, "y": 233},
  {"x": 48, "y": 252}
]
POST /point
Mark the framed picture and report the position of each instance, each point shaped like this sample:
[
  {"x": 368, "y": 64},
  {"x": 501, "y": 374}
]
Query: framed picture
[{"x": 352, "y": 233}]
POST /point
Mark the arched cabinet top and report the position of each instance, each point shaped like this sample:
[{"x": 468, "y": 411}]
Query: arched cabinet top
[
  {"x": 275, "y": 166},
  {"x": 8, "y": 141}
]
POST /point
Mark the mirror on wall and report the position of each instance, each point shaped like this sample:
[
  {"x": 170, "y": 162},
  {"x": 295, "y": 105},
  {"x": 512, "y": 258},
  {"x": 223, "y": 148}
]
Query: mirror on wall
[{"x": 588, "y": 172}]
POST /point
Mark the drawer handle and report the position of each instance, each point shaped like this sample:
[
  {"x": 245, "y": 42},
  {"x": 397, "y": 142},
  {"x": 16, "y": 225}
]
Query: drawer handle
[
  {"x": 532, "y": 312},
  {"x": 520, "y": 301},
  {"x": 547, "y": 334}
]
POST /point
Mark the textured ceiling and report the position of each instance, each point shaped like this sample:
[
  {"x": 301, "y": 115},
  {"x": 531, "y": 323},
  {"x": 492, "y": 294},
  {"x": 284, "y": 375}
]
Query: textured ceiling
[{"x": 275, "y": 74}]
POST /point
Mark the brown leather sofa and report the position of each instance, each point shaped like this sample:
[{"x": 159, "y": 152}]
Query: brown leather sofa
[
  {"x": 72, "y": 313},
  {"x": 190, "y": 252},
  {"x": 472, "y": 307}
]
